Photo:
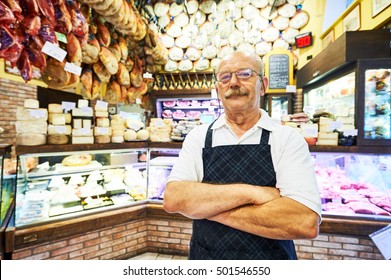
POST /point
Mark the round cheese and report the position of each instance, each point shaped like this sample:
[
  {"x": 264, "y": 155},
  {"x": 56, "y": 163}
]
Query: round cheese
[
  {"x": 171, "y": 66},
  {"x": 193, "y": 54},
  {"x": 287, "y": 10},
  {"x": 58, "y": 139},
  {"x": 209, "y": 52},
  {"x": 175, "y": 9},
  {"x": 181, "y": 20},
  {"x": 185, "y": 65},
  {"x": 55, "y": 108},
  {"x": 192, "y": 6},
  {"x": 260, "y": 3},
  {"x": 207, "y": 6},
  {"x": 102, "y": 122},
  {"x": 77, "y": 160},
  {"x": 102, "y": 139},
  {"x": 130, "y": 135},
  {"x": 142, "y": 134},
  {"x": 161, "y": 8},
  {"x": 202, "y": 64},
  {"x": 30, "y": 139}
]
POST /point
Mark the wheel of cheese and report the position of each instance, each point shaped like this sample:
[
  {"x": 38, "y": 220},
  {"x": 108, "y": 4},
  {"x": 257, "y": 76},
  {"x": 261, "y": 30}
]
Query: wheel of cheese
[
  {"x": 270, "y": 34},
  {"x": 192, "y": 6},
  {"x": 249, "y": 12},
  {"x": 260, "y": 23},
  {"x": 209, "y": 52},
  {"x": 77, "y": 160},
  {"x": 265, "y": 12},
  {"x": 185, "y": 65},
  {"x": 183, "y": 41},
  {"x": 163, "y": 21},
  {"x": 30, "y": 139},
  {"x": 198, "y": 18},
  {"x": 202, "y": 64},
  {"x": 181, "y": 20},
  {"x": 214, "y": 63},
  {"x": 174, "y": 30},
  {"x": 235, "y": 38},
  {"x": 280, "y": 43},
  {"x": 299, "y": 20},
  {"x": 287, "y": 10},
  {"x": 260, "y": 3},
  {"x": 161, "y": 8},
  {"x": 102, "y": 139},
  {"x": 58, "y": 139},
  {"x": 171, "y": 66},
  {"x": 142, "y": 134},
  {"x": 206, "y": 6},
  {"x": 168, "y": 41},
  {"x": 193, "y": 54},
  {"x": 262, "y": 48},
  {"x": 254, "y": 36},
  {"x": 175, "y": 53},
  {"x": 289, "y": 35},
  {"x": 175, "y": 9},
  {"x": 280, "y": 22},
  {"x": 207, "y": 28}
]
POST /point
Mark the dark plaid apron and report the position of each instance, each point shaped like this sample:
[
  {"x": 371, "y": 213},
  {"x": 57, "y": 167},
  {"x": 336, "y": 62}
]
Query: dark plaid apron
[{"x": 250, "y": 164}]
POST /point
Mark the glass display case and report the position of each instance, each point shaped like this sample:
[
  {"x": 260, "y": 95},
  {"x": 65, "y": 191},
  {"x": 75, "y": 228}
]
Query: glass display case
[
  {"x": 7, "y": 180},
  {"x": 336, "y": 96},
  {"x": 204, "y": 109},
  {"x": 376, "y": 96},
  {"x": 53, "y": 186},
  {"x": 278, "y": 105},
  {"x": 354, "y": 185},
  {"x": 160, "y": 164}
]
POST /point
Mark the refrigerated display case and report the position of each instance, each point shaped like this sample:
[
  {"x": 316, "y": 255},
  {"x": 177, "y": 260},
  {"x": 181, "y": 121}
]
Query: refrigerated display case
[
  {"x": 278, "y": 105},
  {"x": 55, "y": 186},
  {"x": 354, "y": 185}
]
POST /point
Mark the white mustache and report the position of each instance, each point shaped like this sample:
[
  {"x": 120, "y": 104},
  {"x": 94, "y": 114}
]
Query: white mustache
[{"x": 235, "y": 92}]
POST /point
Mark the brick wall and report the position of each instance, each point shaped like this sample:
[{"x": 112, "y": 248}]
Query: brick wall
[
  {"x": 172, "y": 237},
  {"x": 12, "y": 95}
]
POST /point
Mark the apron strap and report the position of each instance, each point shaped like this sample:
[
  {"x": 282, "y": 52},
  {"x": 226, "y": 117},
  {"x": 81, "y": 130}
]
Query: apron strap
[
  {"x": 265, "y": 137},
  {"x": 209, "y": 136}
]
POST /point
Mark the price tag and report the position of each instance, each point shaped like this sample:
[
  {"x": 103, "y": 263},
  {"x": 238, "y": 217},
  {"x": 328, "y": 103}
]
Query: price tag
[
  {"x": 102, "y": 130},
  {"x": 147, "y": 75},
  {"x": 87, "y": 110},
  {"x": 72, "y": 68},
  {"x": 37, "y": 113},
  {"x": 350, "y": 132},
  {"x": 290, "y": 88},
  {"x": 60, "y": 129},
  {"x": 101, "y": 104},
  {"x": 335, "y": 125},
  {"x": 54, "y": 51},
  {"x": 61, "y": 37},
  {"x": 138, "y": 101},
  {"x": 68, "y": 106},
  {"x": 382, "y": 239}
]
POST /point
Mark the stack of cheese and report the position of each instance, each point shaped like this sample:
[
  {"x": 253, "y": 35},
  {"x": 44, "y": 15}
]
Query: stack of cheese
[
  {"x": 160, "y": 130},
  {"x": 102, "y": 129},
  {"x": 82, "y": 132},
  {"x": 135, "y": 130},
  {"x": 326, "y": 136},
  {"x": 117, "y": 129},
  {"x": 59, "y": 128},
  {"x": 31, "y": 124}
]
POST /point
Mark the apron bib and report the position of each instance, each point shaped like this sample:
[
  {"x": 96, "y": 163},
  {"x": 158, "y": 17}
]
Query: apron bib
[{"x": 250, "y": 164}]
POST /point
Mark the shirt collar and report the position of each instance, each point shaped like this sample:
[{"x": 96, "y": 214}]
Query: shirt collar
[{"x": 265, "y": 121}]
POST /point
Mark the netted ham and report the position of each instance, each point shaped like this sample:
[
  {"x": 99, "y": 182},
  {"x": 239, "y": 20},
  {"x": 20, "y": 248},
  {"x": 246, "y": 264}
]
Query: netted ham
[
  {"x": 6, "y": 14},
  {"x": 47, "y": 10},
  {"x": 10, "y": 47},
  {"x": 63, "y": 22}
]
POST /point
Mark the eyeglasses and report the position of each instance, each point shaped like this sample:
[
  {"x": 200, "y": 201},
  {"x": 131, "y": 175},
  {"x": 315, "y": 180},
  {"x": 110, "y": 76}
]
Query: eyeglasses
[{"x": 241, "y": 74}]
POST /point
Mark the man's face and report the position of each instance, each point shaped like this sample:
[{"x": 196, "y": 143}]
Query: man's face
[{"x": 240, "y": 94}]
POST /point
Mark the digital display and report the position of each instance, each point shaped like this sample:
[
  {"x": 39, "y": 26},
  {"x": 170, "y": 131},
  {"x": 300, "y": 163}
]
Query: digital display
[{"x": 303, "y": 40}]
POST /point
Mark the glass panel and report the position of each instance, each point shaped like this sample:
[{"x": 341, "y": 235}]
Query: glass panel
[
  {"x": 377, "y": 104},
  {"x": 335, "y": 97},
  {"x": 49, "y": 189},
  {"x": 354, "y": 184},
  {"x": 280, "y": 106}
]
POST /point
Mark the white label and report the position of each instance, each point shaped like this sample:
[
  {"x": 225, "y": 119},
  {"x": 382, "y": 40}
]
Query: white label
[
  {"x": 37, "y": 113},
  {"x": 68, "y": 106},
  {"x": 382, "y": 239},
  {"x": 86, "y": 109},
  {"x": 290, "y": 88},
  {"x": 72, "y": 68},
  {"x": 60, "y": 129},
  {"x": 352, "y": 132},
  {"x": 335, "y": 125},
  {"x": 54, "y": 51},
  {"x": 101, "y": 104},
  {"x": 138, "y": 101},
  {"x": 102, "y": 130},
  {"x": 147, "y": 75}
]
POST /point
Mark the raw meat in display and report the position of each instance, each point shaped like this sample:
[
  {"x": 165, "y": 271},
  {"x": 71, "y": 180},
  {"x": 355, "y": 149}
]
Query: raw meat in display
[
  {"x": 169, "y": 104},
  {"x": 193, "y": 114},
  {"x": 367, "y": 208},
  {"x": 383, "y": 202},
  {"x": 178, "y": 114},
  {"x": 183, "y": 103},
  {"x": 337, "y": 207}
]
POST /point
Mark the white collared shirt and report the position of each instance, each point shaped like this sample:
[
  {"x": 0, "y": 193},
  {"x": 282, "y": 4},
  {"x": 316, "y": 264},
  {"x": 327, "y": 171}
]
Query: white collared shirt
[{"x": 292, "y": 161}]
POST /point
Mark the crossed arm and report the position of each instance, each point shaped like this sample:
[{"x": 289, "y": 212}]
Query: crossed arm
[{"x": 257, "y": 210}]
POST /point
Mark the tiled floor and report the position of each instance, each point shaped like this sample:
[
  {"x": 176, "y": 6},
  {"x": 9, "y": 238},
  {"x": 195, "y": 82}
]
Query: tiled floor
[{"x": 157, "y": 256}]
